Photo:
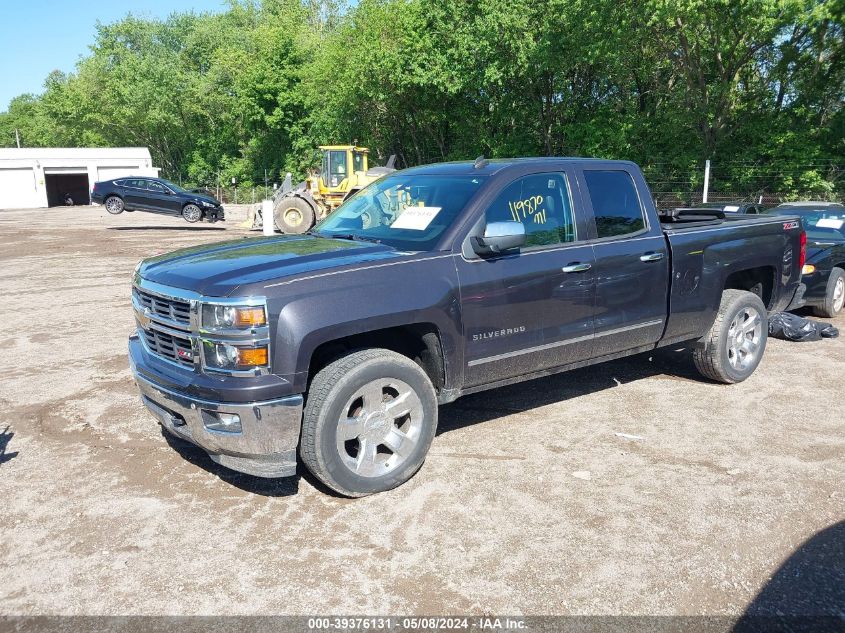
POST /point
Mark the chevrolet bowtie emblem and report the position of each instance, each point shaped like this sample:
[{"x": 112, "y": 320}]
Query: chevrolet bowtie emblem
[{"x": 144, "y": 318}]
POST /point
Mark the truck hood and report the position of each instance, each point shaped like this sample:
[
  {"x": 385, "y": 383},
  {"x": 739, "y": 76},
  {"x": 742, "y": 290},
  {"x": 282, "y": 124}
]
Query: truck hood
[{"x": 217, "y": 270}]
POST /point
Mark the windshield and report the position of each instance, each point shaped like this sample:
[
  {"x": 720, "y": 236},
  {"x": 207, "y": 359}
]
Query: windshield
[
  {"x": 407, "y": 211},
  {"x": 173, "y": 186},
  {"x": 820, "y": 223}
]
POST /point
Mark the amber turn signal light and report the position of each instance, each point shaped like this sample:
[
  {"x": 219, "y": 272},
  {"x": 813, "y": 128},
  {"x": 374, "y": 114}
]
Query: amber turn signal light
[
  {"x": 808, "y": 269},
  {"x": 252, "y": 356},
  {"x": 250, "y": 317}
]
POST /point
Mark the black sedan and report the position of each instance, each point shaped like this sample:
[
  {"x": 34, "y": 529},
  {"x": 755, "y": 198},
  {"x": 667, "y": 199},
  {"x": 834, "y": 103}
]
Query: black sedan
[
  {"x": 156, "y": 195},
  {"x": 824, "y": 270}
]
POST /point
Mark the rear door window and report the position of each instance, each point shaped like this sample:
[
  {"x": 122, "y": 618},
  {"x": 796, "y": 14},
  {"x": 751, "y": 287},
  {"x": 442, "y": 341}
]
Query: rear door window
[{"x": 616, "y": 205}]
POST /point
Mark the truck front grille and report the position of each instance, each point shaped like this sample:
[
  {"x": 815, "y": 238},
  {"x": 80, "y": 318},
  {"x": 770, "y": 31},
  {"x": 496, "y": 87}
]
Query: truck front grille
[
  {"x": 173, "y": 309},
  {"x": 175, "y": 348}
]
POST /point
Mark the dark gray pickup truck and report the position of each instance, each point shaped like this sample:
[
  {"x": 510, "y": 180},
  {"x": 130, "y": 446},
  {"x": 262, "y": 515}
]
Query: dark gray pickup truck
[{"x": 432, "y": 283}]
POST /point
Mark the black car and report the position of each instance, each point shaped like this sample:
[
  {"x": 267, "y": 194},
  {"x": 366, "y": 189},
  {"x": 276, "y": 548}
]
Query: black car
[
  {"x": 824, "y": 270},
  {"x": 156, "y": 195},
  {"x": 740, "y": 208}
]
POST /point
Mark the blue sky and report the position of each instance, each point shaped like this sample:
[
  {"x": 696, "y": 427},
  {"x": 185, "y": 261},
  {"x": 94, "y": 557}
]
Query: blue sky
[{"x": 38, "y": 36}]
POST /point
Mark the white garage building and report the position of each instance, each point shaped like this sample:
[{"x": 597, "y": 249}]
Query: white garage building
[{"x": 44, "y": 177}]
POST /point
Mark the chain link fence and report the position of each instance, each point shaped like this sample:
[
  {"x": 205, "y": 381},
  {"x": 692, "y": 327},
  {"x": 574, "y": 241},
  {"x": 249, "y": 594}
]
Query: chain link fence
[
  {"x": 239, "y": 195},
  {"x": 760, "y": 183}
]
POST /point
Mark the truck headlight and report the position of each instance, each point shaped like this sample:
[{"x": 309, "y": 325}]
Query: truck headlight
[
  {"x": 226, "y": 316},
  {"x": 234, "y": 357}
]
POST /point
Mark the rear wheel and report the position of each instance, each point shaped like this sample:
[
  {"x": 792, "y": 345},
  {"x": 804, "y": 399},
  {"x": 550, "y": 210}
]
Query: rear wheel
[
  {"x": 192, "y": 213},
  {"x": 113, "y": 205},
  {"x": 294, "y": 215},
  {"x": 369, "y": 421},
  {"x": 834, "y": 298},
  {"x": 733, "y": 348}
]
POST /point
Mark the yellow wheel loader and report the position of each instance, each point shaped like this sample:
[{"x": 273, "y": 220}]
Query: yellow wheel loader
[{"x": 343, "y": 171}]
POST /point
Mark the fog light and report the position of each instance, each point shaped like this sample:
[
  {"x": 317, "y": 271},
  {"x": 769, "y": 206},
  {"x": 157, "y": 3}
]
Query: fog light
[
  {"x": 222, "y": 422},
  {"x": 808, "y": 269}
]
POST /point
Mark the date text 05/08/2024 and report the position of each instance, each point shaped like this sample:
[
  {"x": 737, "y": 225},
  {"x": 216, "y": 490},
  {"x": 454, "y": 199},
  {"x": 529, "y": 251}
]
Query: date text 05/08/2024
[{"x": 417, "y": 623}]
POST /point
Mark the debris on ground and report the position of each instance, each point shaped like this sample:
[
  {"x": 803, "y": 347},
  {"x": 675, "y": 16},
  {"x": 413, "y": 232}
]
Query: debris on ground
[{"x": 791, "y": 327}]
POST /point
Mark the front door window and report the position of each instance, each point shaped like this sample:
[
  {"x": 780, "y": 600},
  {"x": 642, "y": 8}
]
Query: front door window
[{"x": 338, "y": 169}]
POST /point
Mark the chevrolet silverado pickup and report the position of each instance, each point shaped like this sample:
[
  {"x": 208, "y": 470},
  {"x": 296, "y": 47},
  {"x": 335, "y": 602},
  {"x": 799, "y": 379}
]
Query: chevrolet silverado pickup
[{"x": 335, "y": 348}]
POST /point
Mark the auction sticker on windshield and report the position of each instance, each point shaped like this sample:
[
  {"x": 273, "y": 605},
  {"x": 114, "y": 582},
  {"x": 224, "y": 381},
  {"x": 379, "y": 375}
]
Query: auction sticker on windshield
[
  {"x": 416, "y": 218},
  {"x": 830, "y": 223}
]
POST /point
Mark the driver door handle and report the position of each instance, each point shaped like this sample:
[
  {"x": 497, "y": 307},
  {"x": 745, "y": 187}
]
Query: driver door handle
[
  {"x": 651, "y": 257},
  {"x": 576, "y": 268}
]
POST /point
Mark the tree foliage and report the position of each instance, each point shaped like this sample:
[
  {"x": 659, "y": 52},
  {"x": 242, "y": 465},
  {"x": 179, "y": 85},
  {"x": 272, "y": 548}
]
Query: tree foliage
[{"x": 755, "y": 84}]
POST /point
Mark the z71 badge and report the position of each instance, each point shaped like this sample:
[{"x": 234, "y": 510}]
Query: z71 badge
[{"x": 790, "y": 225}]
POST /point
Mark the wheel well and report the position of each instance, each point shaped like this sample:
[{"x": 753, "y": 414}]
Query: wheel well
[
  {"x": 420, "y": 342},
  {"x": 759, "y": 280},
  {"x": 307, "y": 199}
]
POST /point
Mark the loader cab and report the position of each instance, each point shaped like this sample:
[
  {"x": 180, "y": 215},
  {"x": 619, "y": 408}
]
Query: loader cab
[{"x": 342, "y": 166}]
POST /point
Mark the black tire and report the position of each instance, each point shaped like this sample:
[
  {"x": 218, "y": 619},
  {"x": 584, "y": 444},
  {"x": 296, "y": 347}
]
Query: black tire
[
  {"x": 336, "y": 386},
  {"x": 833, "y": 297},
  {"x": 718, "y": 355},
  {"x": 294, "y": 215},
  {"x": 114, "y": 205},
  {"x": 192, "y": 213}
]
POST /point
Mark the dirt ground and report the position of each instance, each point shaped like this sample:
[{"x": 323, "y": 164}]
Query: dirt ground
[{"x": 531, "y": 502}]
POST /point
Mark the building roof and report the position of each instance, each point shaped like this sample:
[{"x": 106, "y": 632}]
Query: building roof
[{"x": 60, "y": 153}]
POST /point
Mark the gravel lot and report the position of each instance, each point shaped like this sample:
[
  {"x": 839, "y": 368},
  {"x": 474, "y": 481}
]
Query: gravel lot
[{"x": 529, "y": 503}]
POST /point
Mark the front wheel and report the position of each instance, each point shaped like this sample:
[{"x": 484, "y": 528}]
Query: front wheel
[
  {"x": 369, "y": 421},
  {"x": 734, "y": 347},
  {"x": 114, "y": 205},
  {"x": 294, "y": 215},
  {"x": 834, "y": 297},
  {"x": 192, "y": 213}
]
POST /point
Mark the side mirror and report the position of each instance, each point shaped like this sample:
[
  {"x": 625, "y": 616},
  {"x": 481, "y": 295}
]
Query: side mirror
[{"x": 499, "y": 237}]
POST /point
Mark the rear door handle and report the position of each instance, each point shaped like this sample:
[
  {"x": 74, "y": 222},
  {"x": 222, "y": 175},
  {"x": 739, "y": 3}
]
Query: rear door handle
[
  {"x": 576, "y": 268},
  {"x": 651, "y": 257}
]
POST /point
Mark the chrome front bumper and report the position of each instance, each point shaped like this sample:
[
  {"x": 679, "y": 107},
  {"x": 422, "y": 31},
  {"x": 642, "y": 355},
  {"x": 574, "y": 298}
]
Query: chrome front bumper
[{"x": 266, "y": 445}]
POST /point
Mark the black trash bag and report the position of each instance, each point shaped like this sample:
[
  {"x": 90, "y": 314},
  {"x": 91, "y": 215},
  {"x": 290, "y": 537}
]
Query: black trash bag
[{"x": 790, "y": 327}]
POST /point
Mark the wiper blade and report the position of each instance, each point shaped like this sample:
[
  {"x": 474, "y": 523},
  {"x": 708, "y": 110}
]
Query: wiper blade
[{"x": 353, "y": 237}]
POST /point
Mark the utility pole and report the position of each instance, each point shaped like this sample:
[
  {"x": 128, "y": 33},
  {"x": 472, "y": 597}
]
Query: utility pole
[
  {"x": 706, "y": 180},
  {"x": 18, "y": 138}
]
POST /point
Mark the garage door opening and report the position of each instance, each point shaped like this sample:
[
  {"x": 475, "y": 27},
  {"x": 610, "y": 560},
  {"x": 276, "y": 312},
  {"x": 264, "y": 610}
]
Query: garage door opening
[{"x": 64, "y": 189}]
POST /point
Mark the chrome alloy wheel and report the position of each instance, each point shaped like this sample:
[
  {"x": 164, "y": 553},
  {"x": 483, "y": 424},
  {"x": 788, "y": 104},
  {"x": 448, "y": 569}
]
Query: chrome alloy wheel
[
  {"x": 114, "y": 205},
  {"x": 744, "y": 338},
  {"x": 839, "y": 294},
  {"x": 380, "y": 427},
  {"x": 191, "y": 213}
]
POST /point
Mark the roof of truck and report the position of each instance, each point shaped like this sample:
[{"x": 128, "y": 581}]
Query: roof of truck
[{"x": 490, "y": 166}]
